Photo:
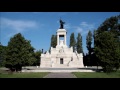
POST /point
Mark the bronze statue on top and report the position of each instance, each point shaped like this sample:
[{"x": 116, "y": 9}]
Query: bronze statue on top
[{"x": 61, "y": 24}]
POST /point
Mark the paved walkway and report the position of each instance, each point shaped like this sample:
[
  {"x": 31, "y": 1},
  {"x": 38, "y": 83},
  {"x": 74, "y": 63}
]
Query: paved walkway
[{"x": 60, "y": 75}]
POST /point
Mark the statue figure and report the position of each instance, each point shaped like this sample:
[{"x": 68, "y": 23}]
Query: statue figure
[{"x": 61, "y": 24}]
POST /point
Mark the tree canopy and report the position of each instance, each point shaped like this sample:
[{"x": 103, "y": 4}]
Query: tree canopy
[
  {"x": 2, "y": 54},
  {"x": 72, "y": 41},
  {"x": 107, "y": 44},
  {"x": 53, "y": 41},
  {"x": 19, "y": 53},
  {"x": 79, "y": 43},
  {"x": 37, "y": 56},
  {"x": 89, "y": 41}
]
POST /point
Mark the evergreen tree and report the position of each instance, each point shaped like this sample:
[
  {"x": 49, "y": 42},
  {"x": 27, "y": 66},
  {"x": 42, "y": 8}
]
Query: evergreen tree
[
  {"x": 2, "y": 54},
  {"x": 111, "y": 24},
  {"x": 89, "y": 42},
  {"x": 19, "y": 53},
  {"x": 94, "y": 58},
  {"x": 53, "y": 41},
  {"x": 107, "y": 44},
  {"x": 94, "y": 36},
  {"x": 37, "y": 56},
  {"x": 79, "y": 44},
  {"x": 72, "y": 42},
  {"x": 108, "y": 51}
]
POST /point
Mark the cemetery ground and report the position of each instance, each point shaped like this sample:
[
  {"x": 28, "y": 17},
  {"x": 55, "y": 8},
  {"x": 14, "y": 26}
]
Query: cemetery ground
[{"x": 5, "y": 73}]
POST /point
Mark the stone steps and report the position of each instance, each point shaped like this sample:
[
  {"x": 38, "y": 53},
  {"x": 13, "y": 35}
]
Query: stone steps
[
  {"x": 76, "y": 64},
  {"x": 46, "y": 63},
  {"x": 59, "y": 66}
]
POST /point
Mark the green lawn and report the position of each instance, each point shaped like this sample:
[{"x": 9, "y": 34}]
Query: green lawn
[
  {"x": 97, "y": 74},
  {"x": 23, "y": 75}
]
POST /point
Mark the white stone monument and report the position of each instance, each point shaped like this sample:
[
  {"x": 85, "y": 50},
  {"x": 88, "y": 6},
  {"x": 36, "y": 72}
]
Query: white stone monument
[{"x": 62, "y": 56}]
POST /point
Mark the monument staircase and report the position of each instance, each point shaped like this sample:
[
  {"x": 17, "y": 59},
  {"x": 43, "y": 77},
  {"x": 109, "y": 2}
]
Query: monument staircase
[
  {"x": 59, "y": 66},
  {"x": 46, "y": 63},
  {"x": 76, "y": 61}
]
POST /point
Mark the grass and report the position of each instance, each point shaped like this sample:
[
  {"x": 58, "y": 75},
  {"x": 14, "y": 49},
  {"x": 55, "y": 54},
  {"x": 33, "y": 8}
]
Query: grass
[
  {"x": 5, "y": 74},
  {"x": 97, "y": 74}
]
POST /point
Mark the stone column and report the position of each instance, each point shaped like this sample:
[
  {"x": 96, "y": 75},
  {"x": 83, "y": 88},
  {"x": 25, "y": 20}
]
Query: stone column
[
  {"x": 65, "y": 39},
  {"x": 57, "y": 39}
]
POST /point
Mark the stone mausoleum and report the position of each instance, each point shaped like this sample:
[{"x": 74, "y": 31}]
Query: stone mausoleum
[{"x": 62, "y": 56}]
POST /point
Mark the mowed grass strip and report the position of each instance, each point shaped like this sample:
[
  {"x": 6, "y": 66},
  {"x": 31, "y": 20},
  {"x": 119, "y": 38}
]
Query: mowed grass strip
[
  {"x": 97, "y": 74},
  {"x": 24, "y": 75}
]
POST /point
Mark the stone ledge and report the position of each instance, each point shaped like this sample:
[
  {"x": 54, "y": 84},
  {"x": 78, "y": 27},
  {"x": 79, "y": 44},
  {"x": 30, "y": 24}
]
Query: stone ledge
[{"x": 58, "y": 71}]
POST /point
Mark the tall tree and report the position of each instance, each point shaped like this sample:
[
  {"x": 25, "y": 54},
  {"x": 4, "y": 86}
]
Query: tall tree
[
  {"x": 108, "y": 51},
  {"x": 94, "y": 58},
  {"x": 2, "y": 54},
  {"x": 19, "y": 53},
  {"x": 53, "y": 41},
  {"x": 37, "y": 56},
  {"x": 111, "y": 24},
  {"x": 94, "y": 36},
  {"x": 72, "y": 42},
  {"x": 79, "y": 44},
  {"x": 89, "y": 42},
  {"x": 107, "y": 44}
]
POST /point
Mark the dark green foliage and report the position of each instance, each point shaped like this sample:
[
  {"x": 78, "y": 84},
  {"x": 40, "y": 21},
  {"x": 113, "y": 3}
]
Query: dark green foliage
[
  {"x": 90, "y": 61},
  {"x": 89, "y": 42},
  {"x": 79, "y": 44},
  {"x": 108, "y": 51},
  {"x": 19, "y": 53},
  {"x": 72, "y": 42},
  {"x": 53, "y": 41},
  {"x": 2, "y": 54},
  {"x": 94, "y": 35},
  {"x": 110, "y": 24},
  {"x": 37, "y": 56},
  {"x": 107, "y": 44},
  {"x": 95, "y": 60}
]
